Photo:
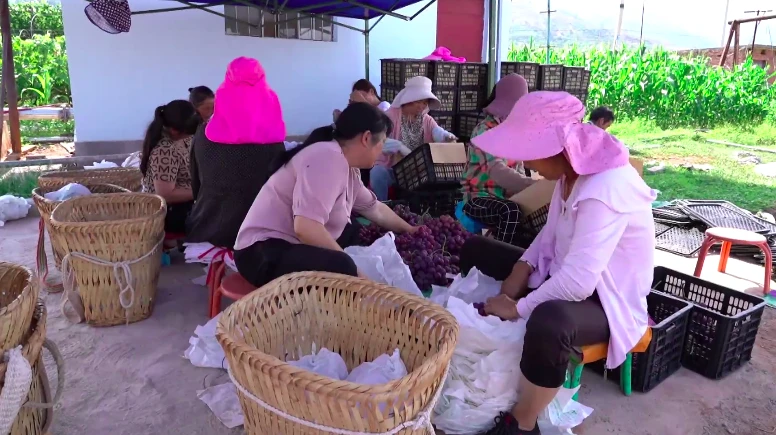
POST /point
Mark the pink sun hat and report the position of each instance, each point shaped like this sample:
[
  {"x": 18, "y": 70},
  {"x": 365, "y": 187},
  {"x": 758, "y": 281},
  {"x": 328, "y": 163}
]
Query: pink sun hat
[
  {"x": 246, "y": 109},
  {"x": 543, "y": 124}
]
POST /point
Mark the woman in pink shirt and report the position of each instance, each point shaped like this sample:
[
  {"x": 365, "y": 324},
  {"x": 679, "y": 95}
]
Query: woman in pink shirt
[
  {"x": 295, "y": 221},
  {"x": 585, "y": 278}
]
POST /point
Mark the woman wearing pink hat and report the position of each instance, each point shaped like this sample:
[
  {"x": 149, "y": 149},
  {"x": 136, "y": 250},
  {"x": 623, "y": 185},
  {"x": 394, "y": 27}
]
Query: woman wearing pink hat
[
  {"x": 585, "y": 278},
  {"x": 413, "y": 127},
  {"x": 231, "y": 154},
  {"x": 489, "y": 181}
]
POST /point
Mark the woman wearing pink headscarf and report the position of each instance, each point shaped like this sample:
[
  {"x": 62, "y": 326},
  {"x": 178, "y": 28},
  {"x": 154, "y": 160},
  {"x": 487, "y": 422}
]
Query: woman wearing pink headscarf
[
  {"x": 590, "y": 267},
  {"x": 489, "y": 181},
  {"x": 232, "y": 153}
]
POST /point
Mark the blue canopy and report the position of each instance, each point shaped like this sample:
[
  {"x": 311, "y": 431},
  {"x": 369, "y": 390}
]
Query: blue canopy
[{"x": 336, "y": 8}]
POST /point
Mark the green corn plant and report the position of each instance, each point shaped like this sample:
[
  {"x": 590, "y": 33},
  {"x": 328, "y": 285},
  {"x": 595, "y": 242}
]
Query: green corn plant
[{"x": 659, "y": 85}]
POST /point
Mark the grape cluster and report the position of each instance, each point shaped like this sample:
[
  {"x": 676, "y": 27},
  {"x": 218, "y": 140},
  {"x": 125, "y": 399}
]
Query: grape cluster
[{"x": 432, "y": 252}]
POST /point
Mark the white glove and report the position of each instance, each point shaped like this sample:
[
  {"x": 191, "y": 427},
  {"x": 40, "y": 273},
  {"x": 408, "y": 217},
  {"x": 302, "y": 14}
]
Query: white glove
[
  {"x": 439, "y": 134},
  {"x": 392, "y": 146}
]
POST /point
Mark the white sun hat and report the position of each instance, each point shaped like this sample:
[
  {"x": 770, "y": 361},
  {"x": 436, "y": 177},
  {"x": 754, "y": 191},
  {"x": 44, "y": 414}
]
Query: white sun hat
[{"x": 417, "y": 89}]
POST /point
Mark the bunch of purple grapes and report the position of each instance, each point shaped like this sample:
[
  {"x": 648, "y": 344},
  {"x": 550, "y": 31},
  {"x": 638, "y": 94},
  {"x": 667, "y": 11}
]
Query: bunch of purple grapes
[{"x": 432, "y": 252}]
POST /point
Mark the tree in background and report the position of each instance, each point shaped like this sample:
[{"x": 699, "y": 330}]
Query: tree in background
[{"x": 36, "y": 17}]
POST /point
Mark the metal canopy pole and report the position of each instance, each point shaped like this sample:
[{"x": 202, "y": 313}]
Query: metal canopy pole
[
  {"x": 493, "y": 34},
  {"x": 366, "y": 44}
]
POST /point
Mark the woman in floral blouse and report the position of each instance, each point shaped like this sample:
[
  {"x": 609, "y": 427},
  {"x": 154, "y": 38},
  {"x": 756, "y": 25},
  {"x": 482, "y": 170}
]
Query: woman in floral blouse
[{"x": 489, "y": 181}]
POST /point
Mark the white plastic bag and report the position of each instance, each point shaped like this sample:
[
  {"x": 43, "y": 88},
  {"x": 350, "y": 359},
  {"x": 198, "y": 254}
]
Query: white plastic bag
[
  {"x": 71, "y": 190},
  {"x": 473, "y": 288},
  {"x": 12, "y": 208},
  {"x": 204, "y": 349},
  {"x": 382, "y": 263},
  {"x": 325, "y": 363},
  {"x": 132, "y": 161},
  {"x": 385, "y": 368},
  {"x": 223, "y": 401},
  {"x": 102, "y": 165}
]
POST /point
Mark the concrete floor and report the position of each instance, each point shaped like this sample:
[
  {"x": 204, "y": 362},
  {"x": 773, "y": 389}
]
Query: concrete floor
[{"x": 133, "y": 379}]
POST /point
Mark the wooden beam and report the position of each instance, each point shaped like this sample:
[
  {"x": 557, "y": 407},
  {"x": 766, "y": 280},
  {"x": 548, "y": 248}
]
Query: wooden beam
[
  {"x": 749, "y": 20},
  {"x": 727, "y": 46},
  {"x": 736, "y": 44},
  {"x": 9, "y": 78}
]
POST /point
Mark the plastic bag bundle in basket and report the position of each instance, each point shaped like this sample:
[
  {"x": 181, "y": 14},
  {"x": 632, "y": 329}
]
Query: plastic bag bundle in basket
[
  {"x": 128, "y": 178},
  {"x": 359, "y": 319},
  {"x": 114, "y": 247},
  {"x": 18, "y": 296},
  {"x": 36, "y": 412},
  {"x": 47, "y": 206}
]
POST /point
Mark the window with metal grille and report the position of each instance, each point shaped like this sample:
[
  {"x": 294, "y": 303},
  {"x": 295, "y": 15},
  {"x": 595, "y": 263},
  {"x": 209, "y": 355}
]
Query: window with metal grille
[{"x": 250, "y": 21}]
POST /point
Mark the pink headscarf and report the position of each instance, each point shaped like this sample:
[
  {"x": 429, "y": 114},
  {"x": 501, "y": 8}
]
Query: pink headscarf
[
  {"x": 543, "y": 124},
  {"x": 246, "y": 110}
]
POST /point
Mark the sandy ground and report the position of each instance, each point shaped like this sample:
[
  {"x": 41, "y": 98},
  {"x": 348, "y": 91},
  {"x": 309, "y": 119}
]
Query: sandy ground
[{"x": 129, "y": 380}]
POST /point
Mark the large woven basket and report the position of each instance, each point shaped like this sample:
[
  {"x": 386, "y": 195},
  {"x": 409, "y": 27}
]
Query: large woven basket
[
  {"x": 33, "y": 421},
  {"x": 360, "y": 320},
  {"x": 128, "y": 178},
  {"x": 99, "y": 231},
  {"x": 46, "y": 207},
  {"x": 18, "y": 296}
]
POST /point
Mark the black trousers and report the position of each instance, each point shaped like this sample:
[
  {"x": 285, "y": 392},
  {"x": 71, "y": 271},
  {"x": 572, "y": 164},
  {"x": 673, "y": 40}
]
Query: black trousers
[
  {"x": 500, "y": 215},
  {"x": 175, "y": 221},
  {"x": 554, "y": 329}
]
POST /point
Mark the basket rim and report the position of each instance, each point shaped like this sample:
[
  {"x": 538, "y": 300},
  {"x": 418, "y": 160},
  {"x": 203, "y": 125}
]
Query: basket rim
[
  {"x": 97, "y": 196},
  {"x": 38, "y": 192},
  {"x": 327, "y": 386},
  {"x": 55, "y": 174},
  {"x": 29, "y": 282},
  {"x": 33, "y": 345}
]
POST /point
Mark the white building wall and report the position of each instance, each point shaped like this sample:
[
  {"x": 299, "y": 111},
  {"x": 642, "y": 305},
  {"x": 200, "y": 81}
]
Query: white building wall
[{"x": 118, "y": 80}]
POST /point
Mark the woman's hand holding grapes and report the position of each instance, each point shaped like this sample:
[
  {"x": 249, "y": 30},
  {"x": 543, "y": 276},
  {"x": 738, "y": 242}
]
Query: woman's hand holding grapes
[{"x": 502, "y": 306}]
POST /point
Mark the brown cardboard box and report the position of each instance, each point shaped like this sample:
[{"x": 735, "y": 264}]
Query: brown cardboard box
[
  {"x": 539, "y": 194},
  {"x": 447, "y": 152}
]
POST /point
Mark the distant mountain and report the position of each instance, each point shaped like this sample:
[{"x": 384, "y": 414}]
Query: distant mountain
[{"x": 526, "y": 23}]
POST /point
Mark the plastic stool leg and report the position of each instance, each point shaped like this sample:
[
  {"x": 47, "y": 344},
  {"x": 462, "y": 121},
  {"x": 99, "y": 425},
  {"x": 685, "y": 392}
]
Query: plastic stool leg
[
  {"x": 215, "y": 304},
  {"x": 724, "y": 254},
  {"x": 707, "y": 242},
  {"x": 576, "y": 379},
  {"x": 768, "y": 267},
  {"x": 625, "y": 375}
]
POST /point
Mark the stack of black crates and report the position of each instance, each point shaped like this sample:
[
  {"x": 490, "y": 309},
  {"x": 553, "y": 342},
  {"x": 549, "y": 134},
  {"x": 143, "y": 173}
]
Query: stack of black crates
[{"x": 462, "y": 89}]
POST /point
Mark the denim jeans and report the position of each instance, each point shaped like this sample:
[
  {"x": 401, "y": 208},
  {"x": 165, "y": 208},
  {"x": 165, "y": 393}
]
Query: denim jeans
[{"x": 380, "y": 179}]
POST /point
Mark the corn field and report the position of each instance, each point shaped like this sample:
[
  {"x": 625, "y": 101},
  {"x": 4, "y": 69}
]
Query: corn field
[{"x": 661, "y": 86}]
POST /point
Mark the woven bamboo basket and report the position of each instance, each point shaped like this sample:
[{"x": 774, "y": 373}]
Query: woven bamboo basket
[
  {"x": 18, "y": 296},
  {"x": 128, "y": 178},
  {"x": 360, "y": 320},
  {"x": 46, "y": 207},
  {"x": 33, "y": 421},
  {"x": 99, "y": 232}
]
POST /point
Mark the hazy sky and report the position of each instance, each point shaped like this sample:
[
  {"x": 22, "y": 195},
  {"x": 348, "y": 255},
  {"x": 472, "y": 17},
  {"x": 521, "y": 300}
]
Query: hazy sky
[{"x": 682, "y": 22}]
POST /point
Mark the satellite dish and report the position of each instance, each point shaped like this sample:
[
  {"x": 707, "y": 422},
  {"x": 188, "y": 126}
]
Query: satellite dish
[{"x": 111, "y": 16}]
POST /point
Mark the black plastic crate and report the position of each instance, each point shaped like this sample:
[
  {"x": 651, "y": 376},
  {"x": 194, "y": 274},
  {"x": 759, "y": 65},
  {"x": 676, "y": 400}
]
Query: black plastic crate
[
  {"x": 396, "y": 72},
  {"x": 473, "y": 74},
  {"x": 465, "y": 123},
  {"x": 418, "y": 171},
  {"x": 550, "y": 78},
  {"x": 723, "y": 322},
  {"x": 447, "y": 98},
  {"x": 470, "y": 99},
  {"x": 582, "y": 95},
  {"x": 575, "y": 78},
  {"x": 388, "y": 93},
  {"x": 432, "y": 202},
  {"x": 444, "y": 74},
  {"x": 445, "y": 120},
  {"x": 663, "y": 356},
  {"x": 529, "y": 71},
  {"x": 535, "y": 221}
]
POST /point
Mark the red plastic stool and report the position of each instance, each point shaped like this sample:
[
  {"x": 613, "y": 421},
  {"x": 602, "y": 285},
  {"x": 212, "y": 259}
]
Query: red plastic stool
[
  {"x": 730, "y": 237},
  {"x": 233, "y": 286},
  {"x": 173, "y": 236}
]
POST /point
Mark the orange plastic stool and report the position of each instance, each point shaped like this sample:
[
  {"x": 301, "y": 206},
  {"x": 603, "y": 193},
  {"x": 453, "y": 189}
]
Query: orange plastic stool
[
  {"x": 597, "y": 352},
  {"x": 733, "y": 236},
  {"x": 233, "y": 286}
]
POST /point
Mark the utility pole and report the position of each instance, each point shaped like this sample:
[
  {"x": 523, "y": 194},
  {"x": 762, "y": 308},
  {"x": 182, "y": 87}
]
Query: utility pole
[
  {"x": 619, "y": 25},
  {"x": 756, "y": 23},
  {"x": 725, "y": 23},
  {"x": 641, "y": 32},
  {"x": 548, "y": 12}
]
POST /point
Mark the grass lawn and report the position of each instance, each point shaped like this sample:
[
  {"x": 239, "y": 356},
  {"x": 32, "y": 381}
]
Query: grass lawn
[
  {"x": 728, "y": 180},
  {"x": 46, "y": 128}
]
